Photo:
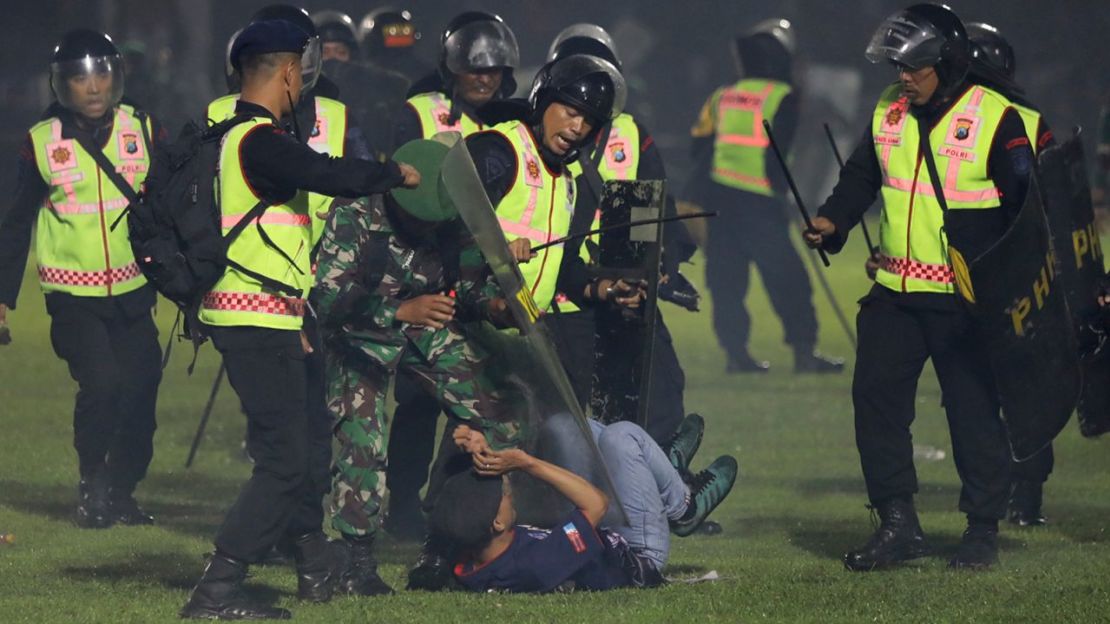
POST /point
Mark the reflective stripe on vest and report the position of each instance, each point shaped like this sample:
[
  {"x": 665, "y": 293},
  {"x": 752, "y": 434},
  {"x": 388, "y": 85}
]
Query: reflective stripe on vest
[
  {"x": 538, "y": 206},
  {"x": 77, "y": 251},
  {"x": 739, "y": 149},
  {"x": 238, "y": 299},
  {"x": 912, "y": 241},
  {"x": 434, "y": 110}
]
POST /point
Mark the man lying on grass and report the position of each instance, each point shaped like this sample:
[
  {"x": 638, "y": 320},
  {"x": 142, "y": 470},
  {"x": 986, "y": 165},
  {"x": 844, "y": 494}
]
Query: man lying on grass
[{"x": 475, "y": 513}]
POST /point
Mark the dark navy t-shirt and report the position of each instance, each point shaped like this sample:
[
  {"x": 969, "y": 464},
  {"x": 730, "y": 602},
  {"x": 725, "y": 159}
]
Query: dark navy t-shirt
[{"x": 541, "y": 560}]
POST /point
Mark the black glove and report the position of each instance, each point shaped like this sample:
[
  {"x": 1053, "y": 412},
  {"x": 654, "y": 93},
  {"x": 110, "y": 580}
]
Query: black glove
[{"x": 679, "y": 291}]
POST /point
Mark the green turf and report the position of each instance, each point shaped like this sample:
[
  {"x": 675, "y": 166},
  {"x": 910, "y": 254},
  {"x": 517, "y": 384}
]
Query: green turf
[{"x": 798, "y": 505}]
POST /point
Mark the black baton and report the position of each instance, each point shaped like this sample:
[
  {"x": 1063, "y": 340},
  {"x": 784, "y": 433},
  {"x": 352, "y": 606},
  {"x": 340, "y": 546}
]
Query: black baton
[
  {"x": 840, "y": 162},
  {"x": 793, "y": 187}
]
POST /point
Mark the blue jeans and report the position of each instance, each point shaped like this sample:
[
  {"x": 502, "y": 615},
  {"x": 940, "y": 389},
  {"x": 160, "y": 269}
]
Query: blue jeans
[{"x": 649, "y": 488}]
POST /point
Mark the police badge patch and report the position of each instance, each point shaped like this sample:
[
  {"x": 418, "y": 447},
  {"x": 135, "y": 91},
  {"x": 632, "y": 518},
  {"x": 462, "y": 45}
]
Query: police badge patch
[
  {"x": 963, "y": 129},
  {"x": 61, "y": 155},
  {"x": 619, "y": 155}
]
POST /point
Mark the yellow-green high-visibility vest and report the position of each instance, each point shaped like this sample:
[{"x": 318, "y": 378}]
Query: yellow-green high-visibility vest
[
  {"x": 912, "y": 244},
  {"x": 77, "y": 251},
  {"x": 327, "y": 136},
  {"x": 740, "y": 143},
  {"x": 619, "y": 161},
  {"x": 538, "y": 206},
  {"x": 238, "y": 299},
  {"x": 434, "y": 110},
  {"x": 1032, "y": 121}
]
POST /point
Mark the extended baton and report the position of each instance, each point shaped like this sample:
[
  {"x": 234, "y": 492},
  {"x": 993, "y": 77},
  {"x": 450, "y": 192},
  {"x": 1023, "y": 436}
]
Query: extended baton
[
  {"x": 840, "y": 162},
  {"x": 793, "y": 187},
  {"x": 560, "y": 241},
  {"x": 204, "y": 417}
]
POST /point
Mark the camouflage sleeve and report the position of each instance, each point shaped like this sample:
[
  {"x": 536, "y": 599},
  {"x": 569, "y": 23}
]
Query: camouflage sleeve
[
  {"x": 476, "y": 282},
  {"x": 340, "y": 295}
]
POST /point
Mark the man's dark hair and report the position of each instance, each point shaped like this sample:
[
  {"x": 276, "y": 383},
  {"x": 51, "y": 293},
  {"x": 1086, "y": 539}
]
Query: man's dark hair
[
  {"x": 465, "y": 510},
  {"x": 264, "y": 65}
]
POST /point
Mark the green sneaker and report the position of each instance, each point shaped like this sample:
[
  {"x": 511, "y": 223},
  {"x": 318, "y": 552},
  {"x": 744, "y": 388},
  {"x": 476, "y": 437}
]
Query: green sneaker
[
  {"x": 707, "y": 489},
  {"x": 684, "y": 443}
]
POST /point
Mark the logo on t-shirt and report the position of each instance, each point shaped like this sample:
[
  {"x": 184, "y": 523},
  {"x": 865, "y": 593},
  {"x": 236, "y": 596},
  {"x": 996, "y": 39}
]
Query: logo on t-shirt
[{"x": 575, "y": 537}]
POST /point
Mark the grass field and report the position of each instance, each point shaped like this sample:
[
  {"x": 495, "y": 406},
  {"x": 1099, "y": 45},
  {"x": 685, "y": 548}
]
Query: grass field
[{"x": 798, "y": 506}]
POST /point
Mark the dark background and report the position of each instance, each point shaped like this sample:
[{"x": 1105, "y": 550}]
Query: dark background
[{"x": 675, "y": 53}]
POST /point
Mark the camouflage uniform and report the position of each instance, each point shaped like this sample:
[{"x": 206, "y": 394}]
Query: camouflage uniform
[{"x": 366, "y": 270}]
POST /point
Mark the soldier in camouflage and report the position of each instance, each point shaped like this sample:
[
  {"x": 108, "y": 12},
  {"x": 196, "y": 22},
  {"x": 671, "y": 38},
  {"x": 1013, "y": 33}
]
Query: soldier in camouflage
[{"x": 381, "y": 292}]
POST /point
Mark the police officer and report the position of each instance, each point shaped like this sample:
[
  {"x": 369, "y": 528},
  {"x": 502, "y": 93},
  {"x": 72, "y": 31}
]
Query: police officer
[
  {"x": 911, "y": 314},
  {"x": 623, "y": 150},
  {"x": 478, "y": 55},
  {"x": 255, "y": 315},
  {"x": 994, "y": 65},
  {"x": 374, "y": 95},
  {"x": 390, "y": 40},
  {"x": 99, "y": 303},
  {"x": 522, "y": 163},
  {"x": 738, "y": 178}
]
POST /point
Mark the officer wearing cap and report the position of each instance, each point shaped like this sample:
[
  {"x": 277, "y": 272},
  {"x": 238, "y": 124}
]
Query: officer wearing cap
[
  {"x": 255, "y": 314},
  {"x": 373, "y": 95},
  {"x": 740, "y": 180},
  {"x": 477, "y": 58},
  {"x": 390, "y": 40},
  {"x": 523, "y": 166},
  {"x": 386, "y": 264},
  {"x": 98, "y": 301},
  {"x": 979, "y": 147}
]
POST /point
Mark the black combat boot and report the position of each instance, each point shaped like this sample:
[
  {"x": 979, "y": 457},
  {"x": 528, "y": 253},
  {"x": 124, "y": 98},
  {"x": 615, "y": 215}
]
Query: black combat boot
[
  {"x": 432, "y": 571},
  {"x": 978, "y": 549},
  {"x": 93, "y": 504},
  {"x": 320, "y": 563},
  {"x": 807, "y": 360},
  {"x": 219, "y": 595},
  {"x": 361, "y": 576},
  {"x": 898, "y": 538},
  {"x": 125, "y": 509},
  {"x": 1025, "y": 503}
]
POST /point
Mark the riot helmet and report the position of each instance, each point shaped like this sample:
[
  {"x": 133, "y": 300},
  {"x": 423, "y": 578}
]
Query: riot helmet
[
  {"x": 336, "y": 27},
  {"x": 86, "y": 73},
  {"x": 231, "y": 75},
  {"x": 924, "y": 35},
  {"x": 588, "y": 39},
  {"x": 766, "y": 50},
  {"x": 591, "y": 84},
  {"x": 474, "y": 41},
  {"x": 989, "y": 46},
  {"x": 387, "y": 29},
  {"x": 311, "y": 58}
]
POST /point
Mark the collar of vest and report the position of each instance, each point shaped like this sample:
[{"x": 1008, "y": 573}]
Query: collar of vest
[{"x": 936, "y": 109}]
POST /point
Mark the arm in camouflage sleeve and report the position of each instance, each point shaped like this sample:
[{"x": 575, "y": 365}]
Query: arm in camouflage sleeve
[{"x": 346, "y": 260}]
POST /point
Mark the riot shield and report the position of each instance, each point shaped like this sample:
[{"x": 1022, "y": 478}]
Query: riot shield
[
  {"x": 525, "y": 362},
  {"x": 624, "y": 339},
  {"x": 1019, "y": 304},
  {"x": 1079, "y": 258}
]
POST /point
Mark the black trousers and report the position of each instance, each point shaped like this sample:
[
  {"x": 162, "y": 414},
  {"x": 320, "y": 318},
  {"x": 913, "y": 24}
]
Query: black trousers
[
  {"x": 114, "y": 357},
  {"x": 268, "y": 370},
  {"x": 895, "y": 340},
  {"x": 412, "y": 439},
  {"x": 753, "y": 229}
]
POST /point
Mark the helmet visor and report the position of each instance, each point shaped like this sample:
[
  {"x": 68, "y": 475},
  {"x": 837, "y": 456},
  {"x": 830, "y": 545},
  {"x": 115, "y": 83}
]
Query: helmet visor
[
  {"x": 311, "y": 64},
  {"x": 481, "y": 45},
  {"x": 907, "y": 42},
  {"x": 91, "y": 85},
  {"x": 572, "y": 79},
  {"x": 583, "y": 31}
]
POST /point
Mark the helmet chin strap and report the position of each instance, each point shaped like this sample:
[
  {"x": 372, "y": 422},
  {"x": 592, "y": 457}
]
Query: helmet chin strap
[{"x": 293, "y": 114}]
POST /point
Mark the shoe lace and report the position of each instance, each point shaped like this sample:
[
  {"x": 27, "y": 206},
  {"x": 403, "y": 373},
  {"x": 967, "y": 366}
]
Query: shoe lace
[{"x": 699, "y": 482}]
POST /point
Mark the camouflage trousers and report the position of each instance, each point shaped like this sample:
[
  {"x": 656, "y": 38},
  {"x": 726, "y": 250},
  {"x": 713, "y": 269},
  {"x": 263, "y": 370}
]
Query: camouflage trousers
[{"x": 453, "y": 372}]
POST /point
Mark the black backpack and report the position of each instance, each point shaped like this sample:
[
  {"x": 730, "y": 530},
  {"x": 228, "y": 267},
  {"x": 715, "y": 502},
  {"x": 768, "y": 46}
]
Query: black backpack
[{"x": 174, "y": 224}]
